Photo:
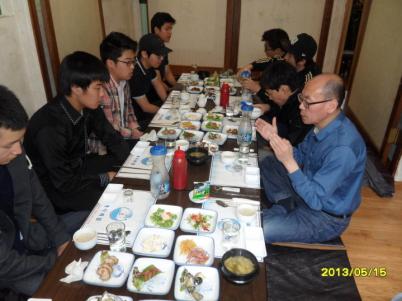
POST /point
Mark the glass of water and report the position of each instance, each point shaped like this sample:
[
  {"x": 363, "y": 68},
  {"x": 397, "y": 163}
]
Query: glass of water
[
  {"x": 116, "y": 233},
  {"x": 231, "y": 234},
  {"x": 229, "y": 111},
  {"x": 128, "y": 195}
]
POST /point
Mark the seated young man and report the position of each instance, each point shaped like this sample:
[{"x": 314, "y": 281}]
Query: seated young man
[
  {"x": 57, "y": 137},
  {"x": 314, "y": 187},
  {"x": 300, "y": 55},
  {"x": 280, "y": 83},
  {"x": 118, "y": 54},
  {"x": 147, "y": 92},
  {"x": 276, "y": 44},
  {"x": 162, "y": 25},
  {"x": 28, "y": 249}
]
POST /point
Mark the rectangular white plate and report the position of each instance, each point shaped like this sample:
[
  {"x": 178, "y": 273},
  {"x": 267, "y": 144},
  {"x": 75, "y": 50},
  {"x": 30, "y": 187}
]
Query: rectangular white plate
[
  {"x": 186, "y": 226},
  {"x": 228, "y": 130},
  {"x": 158, "y": 285},
  {"x": 167, "y": 208},
  {"x": 90, "y": 276},
  {"x": 160, "y": 240},
  {"x": 206, "y": 123},
  {"x": 209, "y": 287},
  {"x": 197, "y": 136},
  {"x": 191, "y": 116},
  {"x": 220, "y": 138},
  {"x": 164, "y": 135},
  {"x": 190, "y": 125},
  {"x": 213, "y": 117},
  {"x": 204, "y": 242}
]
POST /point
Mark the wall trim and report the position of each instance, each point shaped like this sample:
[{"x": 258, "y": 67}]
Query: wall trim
[
  {"x": 232, "y": 34},
  {"x": 102, "y": 19},
  {"x": 325, "y": 25}
]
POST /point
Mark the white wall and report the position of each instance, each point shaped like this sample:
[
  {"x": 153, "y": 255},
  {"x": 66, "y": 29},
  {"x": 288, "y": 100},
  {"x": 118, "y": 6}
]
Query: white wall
[
  {"x": 379, "y": 69},
  {"x": 19, "y": 62},
  {"x": 293, "y": 16},
  {"x": 199, "y": 34}
]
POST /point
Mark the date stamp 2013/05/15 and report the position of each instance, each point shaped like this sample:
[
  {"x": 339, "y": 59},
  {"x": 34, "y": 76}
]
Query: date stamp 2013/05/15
[{"x": 354, "y": 272}]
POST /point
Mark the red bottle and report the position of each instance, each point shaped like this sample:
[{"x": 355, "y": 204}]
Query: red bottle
[
  {"x": 179, "y": 170},
  {"x": 224, "y": 102}
]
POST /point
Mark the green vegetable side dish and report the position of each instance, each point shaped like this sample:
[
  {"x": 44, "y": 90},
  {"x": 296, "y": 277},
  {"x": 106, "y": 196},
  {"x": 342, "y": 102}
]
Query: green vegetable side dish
[
  {"x": 214, "y": 117},
  {"x": 212, "y": 125},
  {"x": 163, "y": 218}
]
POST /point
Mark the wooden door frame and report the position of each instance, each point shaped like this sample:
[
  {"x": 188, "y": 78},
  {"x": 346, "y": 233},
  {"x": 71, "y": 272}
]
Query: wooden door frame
[
  {"x": 51, "y": 43},
  {"x": 325, "y": 26},
  {"x": 232, "y": 34},
  {"x": 392, "y": 124}
]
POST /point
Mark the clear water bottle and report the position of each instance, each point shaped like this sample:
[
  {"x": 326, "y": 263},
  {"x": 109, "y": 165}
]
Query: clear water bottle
[
  {"x": 159, "y": 180},
  {"x": 246, "y": 93},
  {"x": 245, "y": 133}
]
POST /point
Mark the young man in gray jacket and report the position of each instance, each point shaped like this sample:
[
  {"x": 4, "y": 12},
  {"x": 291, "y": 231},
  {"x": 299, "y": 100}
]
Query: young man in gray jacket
[{"x": 31, "y": 235}]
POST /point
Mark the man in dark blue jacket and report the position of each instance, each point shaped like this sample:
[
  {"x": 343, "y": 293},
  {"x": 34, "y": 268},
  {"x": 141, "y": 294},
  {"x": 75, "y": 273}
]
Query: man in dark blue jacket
[{"x": 31, "y": 235}]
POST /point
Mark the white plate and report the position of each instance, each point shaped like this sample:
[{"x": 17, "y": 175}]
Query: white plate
[
  {"x": 227, "y": 128},
  {"x": 191, "y": 116},
  {"x": 98, "y": 297},
  {"x": 232, "y": 121},
  {"x": 163, "y": 135},
  {"x": 194, "y": 89},
  {"x": 90, "y": 276},
  {"x": 197, "y": 135},
  {"x": 206, "y": 123},
  {"x": 214, "y": 117},
  {"x": 204, "y": 242},
  {"x": 190, "y": 125},
  {"x": 209, "y": 287},
  {"x": 158, "y": 285},
  {"x": 167, "y": 208},
  {"x": 163, "y": 239},
  {"x": 186, "y": 226},
  {"x": 198, "y": 201},
  {"x": 220, "y": 138}
]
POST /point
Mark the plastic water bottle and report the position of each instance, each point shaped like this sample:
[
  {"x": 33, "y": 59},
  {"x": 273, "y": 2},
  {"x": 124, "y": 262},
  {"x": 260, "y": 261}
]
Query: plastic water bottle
[
  {"x": 245, "y": 133},
  {"x": 246, "y": 93},
  {"x": 159, "y": 180}
]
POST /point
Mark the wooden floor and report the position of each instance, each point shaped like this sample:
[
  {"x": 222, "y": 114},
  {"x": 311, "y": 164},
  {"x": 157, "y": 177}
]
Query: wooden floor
[{"x": 374, "y": 239}]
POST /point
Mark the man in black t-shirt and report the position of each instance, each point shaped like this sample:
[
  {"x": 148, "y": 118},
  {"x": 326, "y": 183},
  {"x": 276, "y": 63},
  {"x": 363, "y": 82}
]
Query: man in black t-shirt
[
  {"x": 300, "y": 55},
  {"x": 162, "y": 25},
  {"x": 147, "y": 92}
]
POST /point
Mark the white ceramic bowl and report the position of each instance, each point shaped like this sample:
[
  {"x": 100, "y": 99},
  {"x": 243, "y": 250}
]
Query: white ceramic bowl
[
  {"x": 184, "y": 96},
  {"x": 183, "y": 144},
  {"x": 228, "y": 157},
  {"x": 256, "y": 113},
  {"x": 85, "y": 238},
  {"x": 246, "y": 213}
]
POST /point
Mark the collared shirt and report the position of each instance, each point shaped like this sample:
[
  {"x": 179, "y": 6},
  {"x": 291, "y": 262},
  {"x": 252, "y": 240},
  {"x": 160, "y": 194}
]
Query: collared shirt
[
  {"x": 332, "y": 164},
  {"x": 117, "y": 106},
  {"x": 141, "y": 85},
  {"x": 56, "y": 142}
]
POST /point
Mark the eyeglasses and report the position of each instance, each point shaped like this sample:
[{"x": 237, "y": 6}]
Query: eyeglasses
[
  {"x": 128, "y": 63},
  {"x": 307, "y": 104}
]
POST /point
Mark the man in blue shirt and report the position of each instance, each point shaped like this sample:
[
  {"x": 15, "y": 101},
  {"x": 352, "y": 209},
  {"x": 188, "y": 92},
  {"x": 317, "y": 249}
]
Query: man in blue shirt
[{"x": 314, "y": 187}]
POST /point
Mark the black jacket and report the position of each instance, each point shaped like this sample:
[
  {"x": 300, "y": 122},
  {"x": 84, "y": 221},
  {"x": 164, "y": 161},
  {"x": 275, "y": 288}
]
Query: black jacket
[
  {"x": 46, "y": 234},
  {"x": 56, "y": 140}
]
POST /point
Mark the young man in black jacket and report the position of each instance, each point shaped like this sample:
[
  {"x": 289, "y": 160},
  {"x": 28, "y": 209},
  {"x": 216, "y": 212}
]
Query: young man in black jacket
[
  {"x": 31, "y": 235},
  {"x": 57, "y": 137}
]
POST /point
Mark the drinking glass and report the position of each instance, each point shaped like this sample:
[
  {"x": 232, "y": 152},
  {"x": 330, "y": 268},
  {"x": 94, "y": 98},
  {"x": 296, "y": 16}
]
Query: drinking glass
[
  {"x": 128, "y": 195},
  {"x": 231, "y": 234},
  {"x": 229, "y": 111},
  {"x": 116, "y": 233}
]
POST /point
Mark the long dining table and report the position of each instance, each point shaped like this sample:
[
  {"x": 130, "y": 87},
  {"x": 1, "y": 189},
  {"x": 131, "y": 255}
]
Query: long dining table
[{"x": 56, "y": 290}]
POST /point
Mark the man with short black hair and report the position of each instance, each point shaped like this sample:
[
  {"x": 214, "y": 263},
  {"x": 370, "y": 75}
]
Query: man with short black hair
[
  {"x": 118, "y": 54},
  {"x": 57, "y": 137},
  {"x": 314, "y": 187},
  {"x": 31, "y": 236},
  {"x": 162, "y": 25},
  {"x": 147, "y": 92},
  {"x": 300, "y": 55},
  {"x": 280, "y": 82}
]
